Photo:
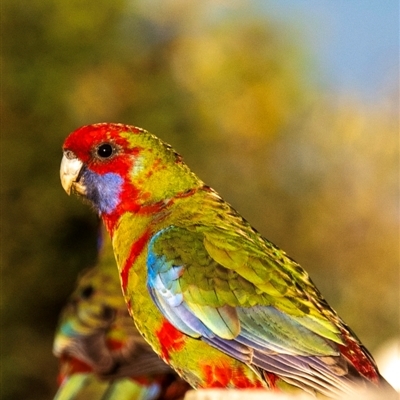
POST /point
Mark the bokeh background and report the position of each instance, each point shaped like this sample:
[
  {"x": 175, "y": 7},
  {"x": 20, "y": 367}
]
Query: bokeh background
[{"x": 289, "y": 110}]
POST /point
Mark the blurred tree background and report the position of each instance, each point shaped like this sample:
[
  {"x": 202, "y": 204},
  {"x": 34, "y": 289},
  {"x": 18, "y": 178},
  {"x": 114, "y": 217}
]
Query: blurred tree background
[{"x": 233, "y": 92}]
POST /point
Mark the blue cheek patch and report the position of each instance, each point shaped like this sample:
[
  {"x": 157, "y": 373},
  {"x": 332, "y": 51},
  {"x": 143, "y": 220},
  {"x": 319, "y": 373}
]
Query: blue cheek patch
[{"x": 103, "y": 190}]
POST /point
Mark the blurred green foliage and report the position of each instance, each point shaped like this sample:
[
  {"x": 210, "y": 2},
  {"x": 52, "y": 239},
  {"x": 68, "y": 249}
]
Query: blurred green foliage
[{"x": 233, "y": 93}]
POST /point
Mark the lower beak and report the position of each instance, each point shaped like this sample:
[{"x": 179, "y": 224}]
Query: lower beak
[{"x": 70, "y": 170}]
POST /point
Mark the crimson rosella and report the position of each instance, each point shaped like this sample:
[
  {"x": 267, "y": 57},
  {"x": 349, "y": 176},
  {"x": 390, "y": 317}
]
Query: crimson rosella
[{"x": 217, "y": 301}]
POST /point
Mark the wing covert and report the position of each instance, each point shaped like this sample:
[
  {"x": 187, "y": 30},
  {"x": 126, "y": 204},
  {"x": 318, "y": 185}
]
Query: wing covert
[{"x": 209, "y": 286}]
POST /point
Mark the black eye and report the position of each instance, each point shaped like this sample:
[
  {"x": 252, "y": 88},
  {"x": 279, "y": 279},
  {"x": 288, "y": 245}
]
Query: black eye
[
  {"x": 105, "y": 150},
  {"x": 87, "y": 292}
]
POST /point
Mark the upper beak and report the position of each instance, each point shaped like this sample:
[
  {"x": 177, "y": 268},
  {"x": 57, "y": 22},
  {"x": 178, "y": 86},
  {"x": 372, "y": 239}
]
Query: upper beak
[{"x": 69, "y": 173}]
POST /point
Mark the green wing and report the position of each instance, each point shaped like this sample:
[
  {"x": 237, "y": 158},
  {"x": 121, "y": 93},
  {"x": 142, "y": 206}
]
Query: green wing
[{"x": 236, "y": 283}]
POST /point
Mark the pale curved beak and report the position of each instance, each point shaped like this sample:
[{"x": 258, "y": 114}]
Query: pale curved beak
[{"x": 69, "y": 174}]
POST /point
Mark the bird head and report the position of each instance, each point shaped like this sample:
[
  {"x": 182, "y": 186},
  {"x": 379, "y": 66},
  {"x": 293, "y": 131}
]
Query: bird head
[{"x": 122, "y": 168}]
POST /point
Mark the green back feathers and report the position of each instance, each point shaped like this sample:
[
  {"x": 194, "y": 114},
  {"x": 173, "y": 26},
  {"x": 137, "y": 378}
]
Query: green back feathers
[
  {"x": 230, "y": 264},
  {"x": 157, "y": 171}
]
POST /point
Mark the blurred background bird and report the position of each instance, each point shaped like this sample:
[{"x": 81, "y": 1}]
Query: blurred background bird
[{"x": 101, "y": 353}]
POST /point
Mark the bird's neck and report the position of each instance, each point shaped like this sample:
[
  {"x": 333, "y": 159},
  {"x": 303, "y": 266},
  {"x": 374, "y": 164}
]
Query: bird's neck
[
  {"x": 162, "y": 178},
  {"x": 149, "y": 187}
]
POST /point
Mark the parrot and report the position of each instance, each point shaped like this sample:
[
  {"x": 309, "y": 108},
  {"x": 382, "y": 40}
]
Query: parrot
[
  {"x": 101, "y": 353},
  {"x": 218, "y": 302}
]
